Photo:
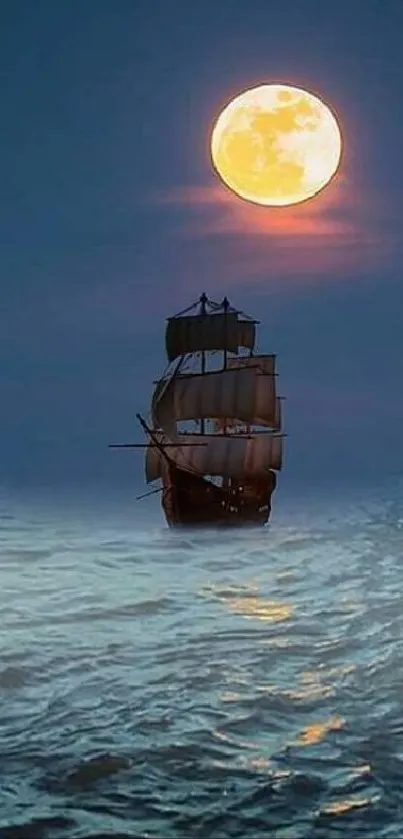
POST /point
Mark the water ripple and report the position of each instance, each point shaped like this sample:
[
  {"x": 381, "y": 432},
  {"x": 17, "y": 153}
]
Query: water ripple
[{"x": 158, "y": 684}]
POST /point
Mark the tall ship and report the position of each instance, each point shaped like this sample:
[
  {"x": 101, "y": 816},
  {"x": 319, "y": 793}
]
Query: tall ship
[{"x": 214, "y": 432}]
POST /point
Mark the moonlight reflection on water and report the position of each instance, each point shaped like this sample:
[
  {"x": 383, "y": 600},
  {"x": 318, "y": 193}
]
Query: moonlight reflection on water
[{"x": 166, "y": 684}]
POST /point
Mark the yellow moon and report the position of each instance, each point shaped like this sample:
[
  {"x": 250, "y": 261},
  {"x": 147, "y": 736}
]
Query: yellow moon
[{"x": 276, "y": 145}]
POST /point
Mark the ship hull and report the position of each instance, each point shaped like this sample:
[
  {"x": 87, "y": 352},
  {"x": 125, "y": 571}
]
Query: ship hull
[{"x": 192, "y": 501}]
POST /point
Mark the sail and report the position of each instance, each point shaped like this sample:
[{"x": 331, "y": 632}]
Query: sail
[
  {"x": 196, "y": 333},
  {"x": 278, "y": 415},
  {"x": 242, "y": 392},
  {"x": 233, "y": 422},
  {"x": 162, "y": 418},
  {"x": 263, "y": 452},
  {"x": 246, "y": 334},
  {"x": 155, "y": 463},
  {"x": 231, "y": 457},
  {"x": 265, "y": 361}
]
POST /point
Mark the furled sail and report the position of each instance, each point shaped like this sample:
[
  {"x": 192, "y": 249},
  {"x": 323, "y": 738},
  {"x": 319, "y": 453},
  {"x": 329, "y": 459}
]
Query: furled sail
[
  {"x": 241, "y": 392},
  {"x": 195, "y": 333},
  {"x": 232, "y": 457}
]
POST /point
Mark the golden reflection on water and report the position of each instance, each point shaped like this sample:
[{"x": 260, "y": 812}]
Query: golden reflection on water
[
  {"x": 320, "y": 683},
  {"x": 315, "y": 732},
  {"x": 338, "y": 808},
  {"x": 270, "y": 611},
  {"x": 244, "y": 600},
  {"x": 312, "y": 684}
]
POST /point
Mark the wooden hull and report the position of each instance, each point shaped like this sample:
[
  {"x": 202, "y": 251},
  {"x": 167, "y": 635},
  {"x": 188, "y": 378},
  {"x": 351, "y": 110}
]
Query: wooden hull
[{"x": 192, "y": 501}]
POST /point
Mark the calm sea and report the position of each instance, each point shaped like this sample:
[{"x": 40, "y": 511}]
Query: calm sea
[{"x": 161, "y": 684}]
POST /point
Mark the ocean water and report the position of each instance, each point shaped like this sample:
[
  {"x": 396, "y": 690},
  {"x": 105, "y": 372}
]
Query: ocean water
[{"x": 172, "y": 684}]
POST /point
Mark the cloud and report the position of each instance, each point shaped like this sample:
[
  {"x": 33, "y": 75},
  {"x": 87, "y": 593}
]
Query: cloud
[{"x": 339, "y": 231}]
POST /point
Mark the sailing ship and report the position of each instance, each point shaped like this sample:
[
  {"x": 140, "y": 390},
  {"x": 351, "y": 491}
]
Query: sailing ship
[{"x": 215, "y": 439}]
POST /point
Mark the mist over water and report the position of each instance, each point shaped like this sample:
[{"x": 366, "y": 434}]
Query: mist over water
[{"x": 178, "y": 684}]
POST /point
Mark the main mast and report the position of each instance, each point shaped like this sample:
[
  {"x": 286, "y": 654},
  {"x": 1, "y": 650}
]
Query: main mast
[
  {"x": 226, "y": 483},
  {"x": 225, "y": 304},
  {"x": 203, "y": 301}
]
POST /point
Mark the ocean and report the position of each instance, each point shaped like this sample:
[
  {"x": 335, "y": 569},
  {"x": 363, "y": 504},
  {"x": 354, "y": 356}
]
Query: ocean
[{"x": 210, "y": 685}]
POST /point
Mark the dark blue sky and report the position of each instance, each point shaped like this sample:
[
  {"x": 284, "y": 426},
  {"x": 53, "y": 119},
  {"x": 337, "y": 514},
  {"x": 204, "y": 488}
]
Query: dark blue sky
[{"x": 111, "y": 219}]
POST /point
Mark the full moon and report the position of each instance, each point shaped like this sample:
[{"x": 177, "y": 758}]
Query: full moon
[{"x": 276, "y": 145}]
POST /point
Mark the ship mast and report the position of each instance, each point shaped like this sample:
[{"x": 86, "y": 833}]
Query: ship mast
[
  {"x": 203, "y": 301},
  {"x": 226, "y": 483},
  {"x": 225, "y": 304}
]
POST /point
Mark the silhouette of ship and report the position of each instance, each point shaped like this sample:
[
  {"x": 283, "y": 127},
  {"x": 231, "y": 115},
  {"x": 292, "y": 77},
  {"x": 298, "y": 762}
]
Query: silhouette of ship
[{"x": 215, "y": 436}]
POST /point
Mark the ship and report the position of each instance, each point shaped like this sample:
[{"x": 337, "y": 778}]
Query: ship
[{"x": 214, "y": 432}]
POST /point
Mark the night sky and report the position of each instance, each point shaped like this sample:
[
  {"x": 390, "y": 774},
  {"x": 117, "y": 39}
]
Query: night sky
[{"x": 112, "y": 219}]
